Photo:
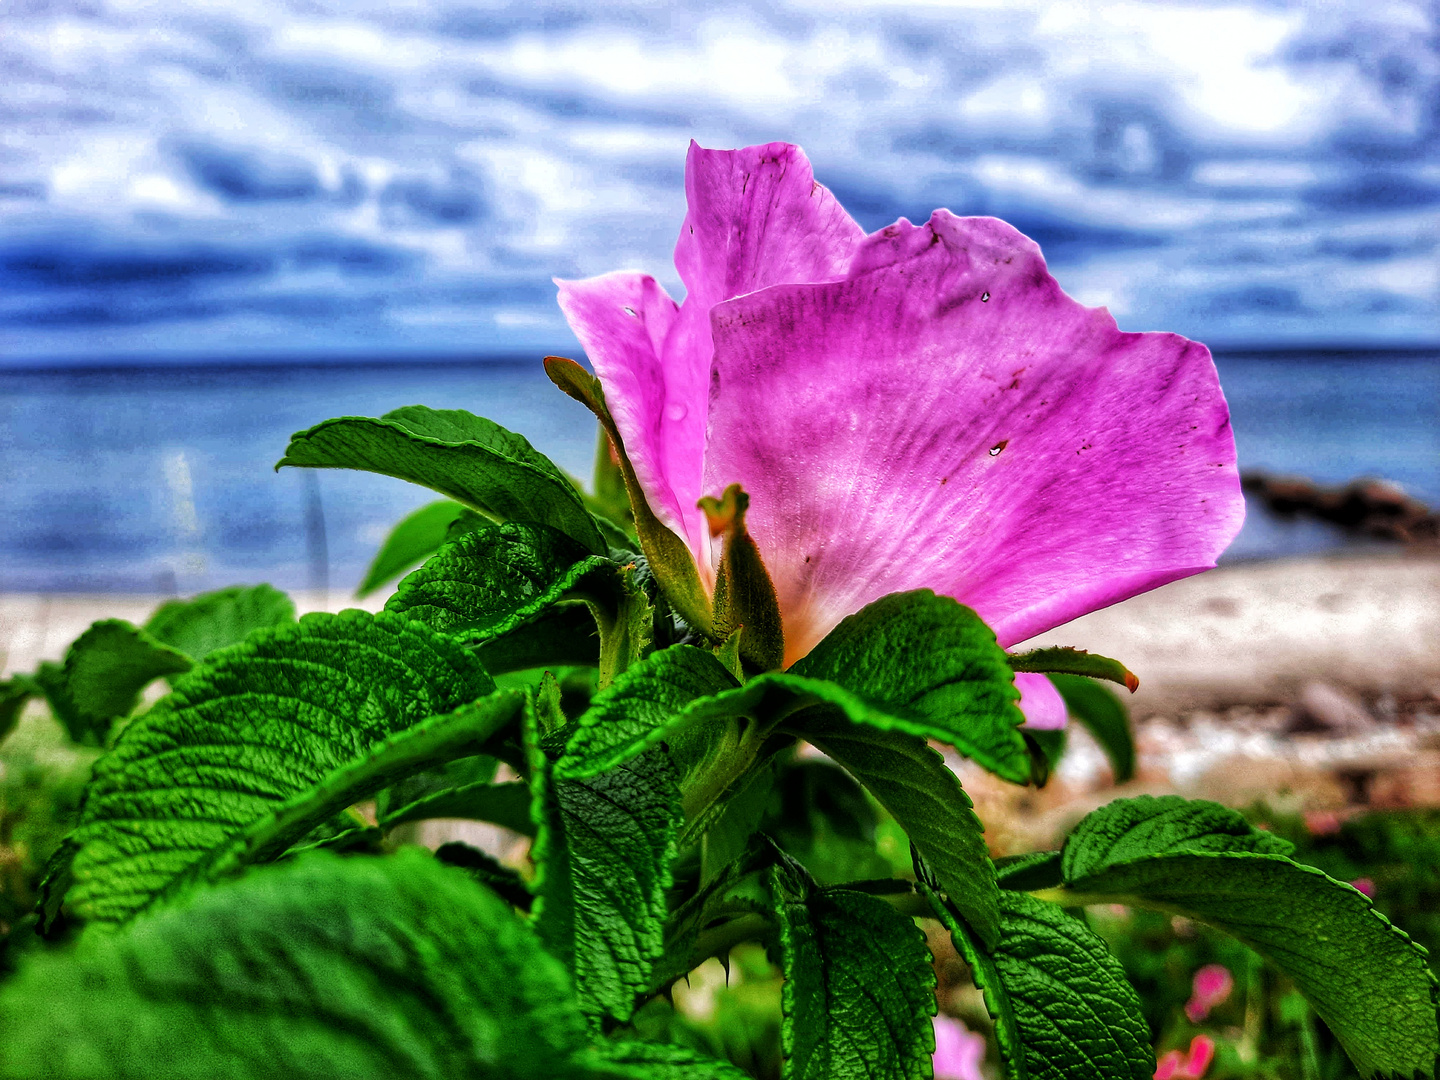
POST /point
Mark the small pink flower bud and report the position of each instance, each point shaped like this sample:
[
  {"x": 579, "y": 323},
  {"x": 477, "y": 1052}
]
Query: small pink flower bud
[
  {"x": 1365, "y": 885},
  {"x": 1212, "y": 985}
]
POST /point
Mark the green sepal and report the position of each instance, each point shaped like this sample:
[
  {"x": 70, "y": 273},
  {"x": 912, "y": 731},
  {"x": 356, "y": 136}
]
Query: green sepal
[
  {"x": 1101, "y": 712},
  {"x": 669, "y": 556},
  {"x": 1070, "y": 661},
  {"x": 859, "y": 986},
  {"x": 414, "y": 538},
  {"x": 219, "y": 619},
  {"x": 469, "y": 458},
  {"x": 745, "y": 600}
]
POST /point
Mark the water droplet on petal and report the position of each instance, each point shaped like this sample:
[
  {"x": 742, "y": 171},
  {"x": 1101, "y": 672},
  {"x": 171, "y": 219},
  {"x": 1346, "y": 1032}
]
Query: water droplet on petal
[
  {"x": 675, "y": 411},
  {"x": 984, "y": 297},
  {"x": 631, "y": 311},
  {"x": 995, "y": 450}
]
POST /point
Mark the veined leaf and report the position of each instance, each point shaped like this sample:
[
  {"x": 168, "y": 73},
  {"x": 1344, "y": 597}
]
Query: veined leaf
[
  {"x": 603, "y": 853},
  {"x": 105, "y": 669},
  {"x": 504, "y": 881},
  {"x": 859, "y": 986},
  {"x": 924, "y": 796},
  {"x": 1063, "y": 659},
  {"x": 715, "y": 730},
  {"x": 930, "y": 663},
  {"x": 214, "y": 620},
  {"x": 564, "y": 635},
  {"x": 1061, "y": 1003},
  {"x": 1364, "y": 976},
  {"x": 488, "y": 582},
  {"x": 471, "y": 459},
  {"x": 415, "y": 537},
  {"x": 323, "y": 967},
  {"x": 257, "y": 725},
  {"x": 1104, "y": 715}
]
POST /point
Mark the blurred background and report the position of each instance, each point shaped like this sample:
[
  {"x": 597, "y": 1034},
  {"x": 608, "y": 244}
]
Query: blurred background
[{"x": 223, "y": 222}]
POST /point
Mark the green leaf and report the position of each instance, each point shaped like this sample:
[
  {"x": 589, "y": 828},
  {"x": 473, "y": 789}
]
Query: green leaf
[
  {"x": 415, "y": 537},
  {"x": 105, "y": 669},
  {"x": 859, "y": 987},
  {"x": 214, "y": 620},
  {"x": 471, "y": 459},
  {"x": 1104, "y": 715},
  {"x": 320, "y": 968},
  {"x": 657, "y": 1061},
  {"x": 488, "y": 582},
  {"x": 924, "y": 796},
  {"x": 1026, "y": 873},
  {"x": 1364, "y": 976},
  {"x": 15, "y": 692},
  {"x": 1130, "y": 829},
  {"x": 932, "y": 665},
  {"x": 243, "y": 734},
  {"x": 1061, "y": 1004},
  {"x": 561, "y": 636},
  {"x": 502, "y": 804},
  {"x": 603, "y": 855},
  {"x": 1063, "y": 659}
]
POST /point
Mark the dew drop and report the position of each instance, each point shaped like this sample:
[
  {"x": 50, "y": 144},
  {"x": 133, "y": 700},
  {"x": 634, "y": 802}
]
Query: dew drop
[
  {"x": 631, "y": 311},
  {"x": 675, "y": 411},
  {"x": 984, "y": 297},
  {"x": 995, "y": 450}
]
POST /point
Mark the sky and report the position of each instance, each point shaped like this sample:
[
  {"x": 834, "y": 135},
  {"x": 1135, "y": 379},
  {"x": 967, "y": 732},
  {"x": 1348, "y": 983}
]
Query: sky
[{"x": 227, "y": 178}]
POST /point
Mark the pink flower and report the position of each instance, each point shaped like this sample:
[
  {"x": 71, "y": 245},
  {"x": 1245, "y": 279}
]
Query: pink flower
[
  {"x": 1365, "y": 885},
  {"x": 1212, "y": 985},
  {"x": 958, "y": 1051},
  {"x": 1177, "y": 1066},
  {"x": 922, "y": 407}
]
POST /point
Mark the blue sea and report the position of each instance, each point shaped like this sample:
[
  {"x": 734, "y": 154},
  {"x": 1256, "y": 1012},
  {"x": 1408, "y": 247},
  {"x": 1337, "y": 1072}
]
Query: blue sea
[{"x": 159, "y": 479}]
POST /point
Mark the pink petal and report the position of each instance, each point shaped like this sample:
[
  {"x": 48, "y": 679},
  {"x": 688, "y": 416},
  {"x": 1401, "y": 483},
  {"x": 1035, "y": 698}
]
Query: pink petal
[
  {"x": 1169, "y": 1065},
  {"x": 958, "y": 1051},
  {"x": 756, "y": 218},
  {"x": 1365, "y": 885},
  {"x": 1041, "y": 703},
  {"x": 1202, "y": 1052},
  {"x": 622, "y": 320},
  {"x": 946, "y": 417}
]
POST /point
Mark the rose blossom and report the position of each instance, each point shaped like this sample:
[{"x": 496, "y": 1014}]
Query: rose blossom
[{"x": 920, "y": 407}]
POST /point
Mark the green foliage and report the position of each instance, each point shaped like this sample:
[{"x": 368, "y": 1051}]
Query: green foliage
[
  {"x": 677, "y": 810},
  {"x": 472, "y": 460},
  {"x": 1059, "y": 999},
  {"x": 605, "y": 845},
  {"x": 214, "y": 620},
  {"x": 911, "y": 781},
  {"x": 1364, "y": 977},
  {"x": 1104, "y": 715},
  {"x": 243, "y": 734},
  {"x": 859, "y": 986},
  {"x": 321, "y": 968},
  {"x": 930, "y": 663},
  {"x": 484, "y": 584},
  {"x": 415, "y": 537}
]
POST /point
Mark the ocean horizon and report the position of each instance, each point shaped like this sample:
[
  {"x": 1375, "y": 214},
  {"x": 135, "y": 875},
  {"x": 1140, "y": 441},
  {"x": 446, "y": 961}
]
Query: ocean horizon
[{"x": 157, "y": 477}]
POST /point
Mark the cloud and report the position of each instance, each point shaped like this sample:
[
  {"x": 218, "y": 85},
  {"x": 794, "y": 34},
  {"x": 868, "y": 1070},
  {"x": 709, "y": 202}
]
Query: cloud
[{"x": 231, "y": 177}]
